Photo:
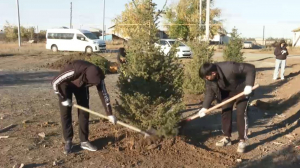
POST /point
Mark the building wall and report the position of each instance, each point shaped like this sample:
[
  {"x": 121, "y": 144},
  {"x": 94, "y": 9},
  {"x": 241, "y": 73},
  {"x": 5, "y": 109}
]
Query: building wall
[
  {"x": 108, "y": 37},
  {"x": 296, "y": 39},
  {"x": 217, "y": 38},
  {"x": 225, "y": 39}
]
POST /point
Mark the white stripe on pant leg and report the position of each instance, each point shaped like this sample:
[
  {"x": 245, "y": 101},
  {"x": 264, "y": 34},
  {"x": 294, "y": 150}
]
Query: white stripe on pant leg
[
  {"x": 246, "y": 120},
  {"x": 104, "y": 92}
]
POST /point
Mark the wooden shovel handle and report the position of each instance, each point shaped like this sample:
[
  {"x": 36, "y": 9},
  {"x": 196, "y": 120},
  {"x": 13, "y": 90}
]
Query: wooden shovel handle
[
  {"x": 223, "y": 103},
  {"x": 105, "y": 117}
]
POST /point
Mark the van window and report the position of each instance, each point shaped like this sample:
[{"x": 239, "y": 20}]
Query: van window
[
  {"x": 79, "y": 36},
  {"x": 91, "y": 36},
  {"x": 63, "y": 36}
]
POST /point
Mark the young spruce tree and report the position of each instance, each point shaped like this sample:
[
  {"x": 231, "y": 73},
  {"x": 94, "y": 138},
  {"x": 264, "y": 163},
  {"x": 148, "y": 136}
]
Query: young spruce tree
[
  {"x": 150, "y": 83},
  {"x": 193, "y": 84},
  {"x": 232, "y": 51}
]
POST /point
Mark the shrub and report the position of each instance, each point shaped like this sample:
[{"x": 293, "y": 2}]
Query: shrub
[
  {"x": 232, "y": 51},
  {"x": 201, "y": 53},
  {"x": 100, "y": 61},
  {"x": 150, "y": 83}
]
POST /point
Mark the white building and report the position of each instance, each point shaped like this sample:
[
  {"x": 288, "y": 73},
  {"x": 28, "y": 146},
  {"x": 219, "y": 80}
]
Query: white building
[
  {"x": 296, "y": 37},
  {"x": 220, "y": 38}
]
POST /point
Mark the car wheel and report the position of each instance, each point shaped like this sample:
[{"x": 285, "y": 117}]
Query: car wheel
[
  {"x": 54, "y": 48},
  {"x": 89, "y": 50}
]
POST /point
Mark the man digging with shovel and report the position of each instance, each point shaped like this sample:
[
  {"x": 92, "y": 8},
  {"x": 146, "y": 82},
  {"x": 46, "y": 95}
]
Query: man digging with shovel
[
  {"x": 76, "y": 78},
  {"x": 224, "y": 80}
]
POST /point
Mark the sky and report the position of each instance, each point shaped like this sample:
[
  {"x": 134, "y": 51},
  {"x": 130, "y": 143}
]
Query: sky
[{"x": 279, "y": 17}]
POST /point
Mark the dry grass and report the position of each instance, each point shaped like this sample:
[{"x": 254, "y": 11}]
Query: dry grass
[
  {"x": 39, "y": 49},
  {"x": 26, "y": 48}
]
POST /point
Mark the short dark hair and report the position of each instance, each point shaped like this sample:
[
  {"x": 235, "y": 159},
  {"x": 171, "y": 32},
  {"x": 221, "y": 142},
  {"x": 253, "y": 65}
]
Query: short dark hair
[{"x": 207, "y": 69}]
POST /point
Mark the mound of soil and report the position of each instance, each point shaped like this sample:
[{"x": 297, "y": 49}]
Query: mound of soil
[
  {"x": 64, "y": 60},
  {"x": 111, "y": 67}
]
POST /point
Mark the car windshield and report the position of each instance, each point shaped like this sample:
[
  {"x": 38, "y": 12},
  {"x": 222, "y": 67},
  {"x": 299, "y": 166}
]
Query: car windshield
[
  {"x": 248, "y": 42},
  {"x": 174, "y": 42},
  {"x": 91, "y": 36}
]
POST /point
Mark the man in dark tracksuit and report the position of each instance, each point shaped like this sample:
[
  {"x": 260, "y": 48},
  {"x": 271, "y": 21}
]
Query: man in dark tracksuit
[
  {"x": 281, "y": 54},
  {"x": 76, "y": 78},
  {"x": 223, "y": 81},
  {"x": 121, "y": 57}
]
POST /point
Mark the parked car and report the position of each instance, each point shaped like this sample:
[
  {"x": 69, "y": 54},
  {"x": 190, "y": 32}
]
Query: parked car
[
  {"x": 73, "y": 40},
  {"x": 248, "y": 44},
  {"x": 183, "y": 51}
]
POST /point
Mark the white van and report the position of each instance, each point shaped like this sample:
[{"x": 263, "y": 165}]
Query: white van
[{"x": 73, "y": 40}]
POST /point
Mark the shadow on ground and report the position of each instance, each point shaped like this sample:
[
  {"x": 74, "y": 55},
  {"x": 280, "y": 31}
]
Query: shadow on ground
[
  {"x": 288, "y": 157},
  {"x": 13, "y": 79},
  {"x": 6, "y": 55},
  {"x": 101, "y": 143},
  {"x": 33, "y": 165},
  {"x": 291, "y": 123},
  {"x": 270, "y": 68},
  {"x": 198, "y": 131}
]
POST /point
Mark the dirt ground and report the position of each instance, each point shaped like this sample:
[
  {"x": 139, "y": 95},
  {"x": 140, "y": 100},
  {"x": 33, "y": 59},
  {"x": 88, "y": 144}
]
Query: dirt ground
[{"x": 28, "y": 104}]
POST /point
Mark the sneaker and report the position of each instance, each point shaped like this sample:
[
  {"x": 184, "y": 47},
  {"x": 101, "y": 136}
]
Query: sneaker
[
  {"x": 88, "y": 146},
  {"x": 224, "y": 142},
  {"x": 68, "y": 147},
  {"x": 241, "y": 147}
]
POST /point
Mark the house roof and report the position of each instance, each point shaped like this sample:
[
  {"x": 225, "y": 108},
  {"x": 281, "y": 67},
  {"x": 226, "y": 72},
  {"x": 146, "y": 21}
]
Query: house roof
[{"x": 296, "y": 30}]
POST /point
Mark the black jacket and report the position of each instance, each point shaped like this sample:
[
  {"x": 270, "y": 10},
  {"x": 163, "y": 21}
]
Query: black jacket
[
  {"x": 82, "y": 74},
  {"x": 232, "y": 77},
  {"x": 121, "y": 53},
  {"x": 278, "y": 52}
]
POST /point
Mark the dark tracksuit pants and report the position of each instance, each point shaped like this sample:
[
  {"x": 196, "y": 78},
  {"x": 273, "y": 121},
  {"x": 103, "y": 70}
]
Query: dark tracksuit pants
[
  {"x": 82, "y": 97},
  {"x": 241, "y": 112}
]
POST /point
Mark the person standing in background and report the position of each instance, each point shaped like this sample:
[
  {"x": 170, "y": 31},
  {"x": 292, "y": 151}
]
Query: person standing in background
[{"x": 281, "y": 54}]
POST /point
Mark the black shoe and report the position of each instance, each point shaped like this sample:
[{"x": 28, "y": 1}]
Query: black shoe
[
  {"x": 88, "y": 146},
  {"x": 68, "y": 147}
]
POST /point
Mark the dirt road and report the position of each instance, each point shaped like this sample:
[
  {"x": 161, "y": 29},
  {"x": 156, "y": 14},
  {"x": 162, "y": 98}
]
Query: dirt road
[{"x": 28, "y": 103}]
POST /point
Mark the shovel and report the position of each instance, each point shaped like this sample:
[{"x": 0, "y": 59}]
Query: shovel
[
  {"x": 146, "y": 134},
  {"x": 183, "y": 122}
]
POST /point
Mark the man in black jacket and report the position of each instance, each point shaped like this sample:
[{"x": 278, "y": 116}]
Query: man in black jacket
[
  {"x": 281, "y": 53},
  {"x": 121, "y": 57},
  {"x": 76, "y": 78},
  {"x": 224, "y": 80}
]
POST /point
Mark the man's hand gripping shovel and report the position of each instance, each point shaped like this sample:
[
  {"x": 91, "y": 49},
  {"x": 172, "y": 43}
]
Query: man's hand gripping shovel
[
  {"x": 183, "y": 122},
  {"x": 146, "y": 133}
]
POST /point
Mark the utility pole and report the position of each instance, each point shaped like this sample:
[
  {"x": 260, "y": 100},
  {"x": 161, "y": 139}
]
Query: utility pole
[
  {"x": 207, "y": 19},
  {"x": 200, "y": 22},
  {"x": 19, "y": 33},
  {"x": 103, "y": 20},
  {"x": 37, "y": 33},
  {"x": 264, "y": 36},
  {"x": 71, "y": 17}
]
